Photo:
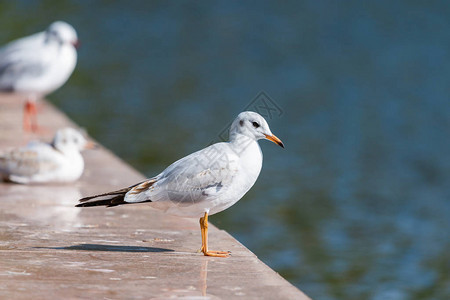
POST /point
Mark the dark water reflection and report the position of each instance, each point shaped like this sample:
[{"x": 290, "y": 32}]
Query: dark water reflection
[{"x": 356, "y": 206}]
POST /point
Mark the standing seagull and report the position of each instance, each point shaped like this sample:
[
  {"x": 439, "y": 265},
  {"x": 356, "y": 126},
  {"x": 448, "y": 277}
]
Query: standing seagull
[
  {"x": 205, "y": 182},
  {"x": 59, "y": 161},
  {"x": 37, "y": 65}
]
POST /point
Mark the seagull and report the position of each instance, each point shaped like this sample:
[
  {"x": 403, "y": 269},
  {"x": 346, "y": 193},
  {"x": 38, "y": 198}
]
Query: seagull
[
  {"x": 205, "y": 182},
  {"x": 37, "y": 65},
  {"x": 38, "y": 162}
]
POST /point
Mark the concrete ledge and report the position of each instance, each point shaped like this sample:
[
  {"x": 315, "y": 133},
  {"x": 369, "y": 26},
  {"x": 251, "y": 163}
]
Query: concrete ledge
[{"x": 51, "y": 250}]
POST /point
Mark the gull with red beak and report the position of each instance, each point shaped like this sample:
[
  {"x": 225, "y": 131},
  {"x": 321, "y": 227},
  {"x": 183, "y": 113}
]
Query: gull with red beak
[
  {"x": 38, "y": 162},
  {"x": 205, "y": 182},
  {"x": 37, "y": 65}
]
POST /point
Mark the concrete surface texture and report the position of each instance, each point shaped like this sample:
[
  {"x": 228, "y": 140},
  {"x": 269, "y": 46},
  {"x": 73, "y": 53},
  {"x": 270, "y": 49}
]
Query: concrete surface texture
[{"x": 51, "y": 250}]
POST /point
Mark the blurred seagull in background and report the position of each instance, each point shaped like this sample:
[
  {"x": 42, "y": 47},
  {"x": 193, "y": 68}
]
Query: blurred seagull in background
[
  {"x": 205, "y": 182},
  {"x": 37, "y": 65},
  {"x": 38, "y": 162}
]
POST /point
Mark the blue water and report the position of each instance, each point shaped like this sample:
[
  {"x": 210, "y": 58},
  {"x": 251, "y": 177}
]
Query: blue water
[{"x": 357, "y": 205}]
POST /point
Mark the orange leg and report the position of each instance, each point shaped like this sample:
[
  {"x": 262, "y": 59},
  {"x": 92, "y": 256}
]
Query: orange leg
[
  {"x": 30, "y": 116},
  {"x": 204, "y": 231}
]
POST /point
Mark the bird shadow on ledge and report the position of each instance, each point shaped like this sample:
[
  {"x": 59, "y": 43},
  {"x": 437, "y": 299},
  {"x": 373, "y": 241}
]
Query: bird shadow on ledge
[{"x": 111, "y": 248}]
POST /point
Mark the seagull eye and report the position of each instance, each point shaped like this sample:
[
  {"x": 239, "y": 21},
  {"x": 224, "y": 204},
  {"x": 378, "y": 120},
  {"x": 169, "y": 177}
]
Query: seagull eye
[{"x": 255, "y": 124}]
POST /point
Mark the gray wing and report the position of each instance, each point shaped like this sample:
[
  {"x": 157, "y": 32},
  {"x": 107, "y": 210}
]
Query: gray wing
[
  {"x": 29, "y": 161},
  {"x": 21, "y": 59},
  {"x": 203, "y": 175}
]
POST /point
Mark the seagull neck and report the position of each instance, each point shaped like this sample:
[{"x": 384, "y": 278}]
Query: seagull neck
[
  {"x": 56, "y": 148},
  {"x": 66, "y": 150},
  {"x": 241, "y": 142}
]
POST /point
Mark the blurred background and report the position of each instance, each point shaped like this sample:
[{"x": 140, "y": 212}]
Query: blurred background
[{"x": 357, "y": 205}]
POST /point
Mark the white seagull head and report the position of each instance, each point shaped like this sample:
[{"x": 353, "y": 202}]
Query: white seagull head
[
  {"x": 62, "y": 32},
  {"x": 254, "y": 126},
  {"x": 69, "y": 139}
]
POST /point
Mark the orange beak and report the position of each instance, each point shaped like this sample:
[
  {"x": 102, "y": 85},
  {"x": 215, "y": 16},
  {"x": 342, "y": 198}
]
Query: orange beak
[
  {"x": 274, "y": 139},
  {"x": 76, "y": 44},
  {"x": 90, "y": 145}
]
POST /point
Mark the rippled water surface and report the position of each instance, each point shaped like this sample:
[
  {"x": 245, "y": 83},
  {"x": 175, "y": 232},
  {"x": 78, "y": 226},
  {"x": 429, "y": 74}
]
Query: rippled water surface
[{"x": 357, "y": 205}]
